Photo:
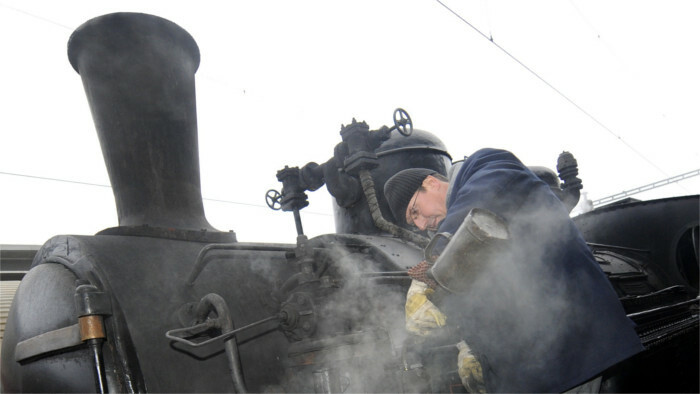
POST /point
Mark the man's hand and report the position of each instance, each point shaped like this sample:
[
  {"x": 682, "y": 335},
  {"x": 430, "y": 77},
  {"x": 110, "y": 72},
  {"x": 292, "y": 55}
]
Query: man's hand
[
  {"x": 469, "y": 369},
  {"x": 421, "y": 315}
]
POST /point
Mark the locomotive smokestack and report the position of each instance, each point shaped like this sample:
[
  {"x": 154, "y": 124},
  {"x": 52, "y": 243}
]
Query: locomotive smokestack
[{"x": 138, "y": 73}]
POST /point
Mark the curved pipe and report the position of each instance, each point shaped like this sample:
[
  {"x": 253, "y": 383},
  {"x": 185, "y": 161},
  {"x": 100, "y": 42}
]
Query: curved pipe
[
  {"x": 571, "y": 198},
  {"x": 379, "y": 221},
  {"x": 216, "y": 302}
]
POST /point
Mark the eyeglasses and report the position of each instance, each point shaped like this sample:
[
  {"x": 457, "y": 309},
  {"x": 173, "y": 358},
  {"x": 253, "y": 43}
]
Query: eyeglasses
[{"x": 413, "y": 212}]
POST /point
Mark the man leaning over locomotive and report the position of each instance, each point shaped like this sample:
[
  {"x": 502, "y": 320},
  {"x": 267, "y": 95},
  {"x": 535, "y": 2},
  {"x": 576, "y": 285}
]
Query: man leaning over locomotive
[{"x": 550, "y": 321}]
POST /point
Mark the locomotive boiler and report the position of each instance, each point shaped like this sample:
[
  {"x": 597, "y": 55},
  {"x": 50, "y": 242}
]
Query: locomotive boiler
[{"x": 164, "y": 302}]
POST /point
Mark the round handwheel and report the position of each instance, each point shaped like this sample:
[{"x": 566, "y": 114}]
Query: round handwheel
[
  {"x": 403, "y": 122},
  {"x": 272, "y": 198}
]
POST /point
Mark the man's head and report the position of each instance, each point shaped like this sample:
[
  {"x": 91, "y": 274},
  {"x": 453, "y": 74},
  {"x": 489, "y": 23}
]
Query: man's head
[{"x": 417, "y": 197}]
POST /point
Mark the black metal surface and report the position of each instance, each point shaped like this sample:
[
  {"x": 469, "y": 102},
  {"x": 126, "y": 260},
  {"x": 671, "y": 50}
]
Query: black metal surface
[
  {"x": 658, "y": 226},
  {"x": 235, "y": 250},
  {"x": 202, "y": 235},
  {"x": 642, "y": 247},
  {"x": 671, "y": 368},
  {"x": 44, "y": 303}
]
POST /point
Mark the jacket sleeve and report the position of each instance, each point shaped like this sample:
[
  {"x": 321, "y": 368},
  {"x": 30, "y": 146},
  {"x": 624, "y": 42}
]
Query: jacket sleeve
[{"x": 492, "y": 179}]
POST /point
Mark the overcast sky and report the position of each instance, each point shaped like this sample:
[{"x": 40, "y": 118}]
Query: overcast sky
[{"x": 278, "y": 78}]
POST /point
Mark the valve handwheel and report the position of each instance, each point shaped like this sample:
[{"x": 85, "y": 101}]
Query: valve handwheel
[
  {"x": 272, "y": 198},
  {"x": 402, "y": 122}
]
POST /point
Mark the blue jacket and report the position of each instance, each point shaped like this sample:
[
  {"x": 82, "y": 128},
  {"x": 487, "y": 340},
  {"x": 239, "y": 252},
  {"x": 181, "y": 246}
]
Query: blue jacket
[{"x": 543, "y": 318}]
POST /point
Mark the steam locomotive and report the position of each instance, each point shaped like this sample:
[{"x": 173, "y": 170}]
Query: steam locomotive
[{"x": 166, "y": 303}]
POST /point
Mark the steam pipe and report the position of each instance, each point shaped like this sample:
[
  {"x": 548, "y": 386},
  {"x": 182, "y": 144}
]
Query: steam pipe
[
  {"x": 200, "y": 262},
  {"x": 216, "y": 302},
  {"x": 138, "y": 74},
  {"x": 297, "y": 222}
]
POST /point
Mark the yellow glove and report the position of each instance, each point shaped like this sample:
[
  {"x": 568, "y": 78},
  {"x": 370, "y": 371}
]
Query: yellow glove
[
  {"x": 469, "y": 369},
  {"x": 422, "y": 316}
]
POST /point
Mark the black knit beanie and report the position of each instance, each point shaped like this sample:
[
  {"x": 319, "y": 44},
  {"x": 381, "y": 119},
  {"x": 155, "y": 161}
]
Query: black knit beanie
[{"x": 401, "y": 187}]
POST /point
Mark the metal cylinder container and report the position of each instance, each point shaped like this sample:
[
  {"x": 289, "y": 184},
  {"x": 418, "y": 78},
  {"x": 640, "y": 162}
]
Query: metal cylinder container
[{"x": 478, "y": 239}]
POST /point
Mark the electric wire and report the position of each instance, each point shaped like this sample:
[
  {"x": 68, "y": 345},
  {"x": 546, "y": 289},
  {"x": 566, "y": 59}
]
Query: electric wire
[
  {"x": 103, "y": 185},
  {"x": 488, "y": 37},
  {"x": 572, "y": 102},
  {"x": 37, "y": 17},
  {"x": 45, "y": 178},
  {"x": 597, "y": 33},
  {"x": 54, "y": 179}
]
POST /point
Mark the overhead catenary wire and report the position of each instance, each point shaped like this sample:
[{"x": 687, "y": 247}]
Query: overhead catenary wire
[
  {"x": 47, "y": 20},
  {"x": 559, "y": 92},
  {"x": 597, "y": 33},
  {"x": 41, "y": 18},
  {"x": 488, "y": 37},
  {"x": 45, "y": 178}
]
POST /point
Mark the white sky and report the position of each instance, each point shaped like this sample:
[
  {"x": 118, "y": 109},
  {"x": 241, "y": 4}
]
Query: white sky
[{"x": 278, "y": 78}]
